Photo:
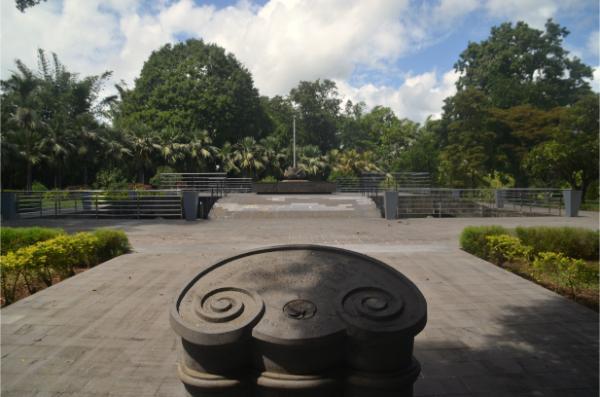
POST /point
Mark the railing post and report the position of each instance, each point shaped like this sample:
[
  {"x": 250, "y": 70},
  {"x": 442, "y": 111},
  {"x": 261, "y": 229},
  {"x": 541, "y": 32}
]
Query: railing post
[
  {"x": 9, "y": 206},
  {"x": 572, "y": 200},
  {"x": 390, "y": 205},
  {"x": 96, "y": 197},
  {"x": 499, "y": 198}
]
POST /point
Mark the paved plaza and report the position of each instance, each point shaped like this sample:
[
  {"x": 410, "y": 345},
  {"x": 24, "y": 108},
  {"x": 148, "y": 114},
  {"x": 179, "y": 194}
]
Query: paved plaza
[{"x": 106, "y": 332}]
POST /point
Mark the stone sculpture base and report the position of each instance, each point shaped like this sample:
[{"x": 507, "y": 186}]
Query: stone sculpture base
[{"x": 295, "y": 187}]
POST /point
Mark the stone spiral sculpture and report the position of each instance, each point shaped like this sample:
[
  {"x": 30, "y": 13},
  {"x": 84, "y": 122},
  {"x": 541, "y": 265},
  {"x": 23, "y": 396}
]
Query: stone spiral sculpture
[{"x": 299, "y": 320}]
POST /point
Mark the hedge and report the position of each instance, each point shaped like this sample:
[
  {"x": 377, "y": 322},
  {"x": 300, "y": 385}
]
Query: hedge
[
  {"x": 13, "y": 238},
  {"x": 474, "y": 239},
  {"x": 574, "y": 242},
  {"x": 36, "y": 266}
]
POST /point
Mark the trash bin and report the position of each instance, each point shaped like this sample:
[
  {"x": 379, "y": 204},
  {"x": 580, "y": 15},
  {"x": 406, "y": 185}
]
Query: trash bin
[{"x": 299, "y": 320}]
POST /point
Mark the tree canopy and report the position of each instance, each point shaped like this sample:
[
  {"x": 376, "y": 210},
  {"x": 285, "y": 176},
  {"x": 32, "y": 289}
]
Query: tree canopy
[{"x": 191, "y": 86}]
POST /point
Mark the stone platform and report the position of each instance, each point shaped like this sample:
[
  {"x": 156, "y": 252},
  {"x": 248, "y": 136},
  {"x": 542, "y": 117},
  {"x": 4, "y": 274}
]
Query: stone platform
[{"x": 106, "y": 332}]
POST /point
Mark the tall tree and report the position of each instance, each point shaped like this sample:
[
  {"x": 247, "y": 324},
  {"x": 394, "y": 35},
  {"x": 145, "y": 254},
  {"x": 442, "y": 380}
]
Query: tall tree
[
  {"x": 319, "y": 106},
  {"x": 194, "y": 86},
  {"x": 520, "y": 65}
]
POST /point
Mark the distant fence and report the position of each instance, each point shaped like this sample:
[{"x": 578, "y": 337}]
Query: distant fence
[
  {"x": 216, "y": 182},
  {"x": 375, "y": 182},
  {"x": 475, "y": 202},
  {"x": 99, "y": 204}
]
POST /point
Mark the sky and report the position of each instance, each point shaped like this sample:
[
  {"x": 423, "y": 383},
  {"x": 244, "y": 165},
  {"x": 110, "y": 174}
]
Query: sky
[{"x": 396, "y": 53}]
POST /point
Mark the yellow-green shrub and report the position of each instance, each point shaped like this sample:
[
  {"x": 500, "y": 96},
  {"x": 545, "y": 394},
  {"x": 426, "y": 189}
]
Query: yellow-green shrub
[
  {"x": 504, "y": 247},
  {"x": 13, "y": 238},
  {"x": 565, "y": 271},
  {"x": 41, "y": 262},
  {"x": 473, "y": 239}
]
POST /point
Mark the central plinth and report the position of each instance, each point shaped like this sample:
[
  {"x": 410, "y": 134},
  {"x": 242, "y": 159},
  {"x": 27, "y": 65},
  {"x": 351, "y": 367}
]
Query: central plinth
[{"x": 299, "y": 321}]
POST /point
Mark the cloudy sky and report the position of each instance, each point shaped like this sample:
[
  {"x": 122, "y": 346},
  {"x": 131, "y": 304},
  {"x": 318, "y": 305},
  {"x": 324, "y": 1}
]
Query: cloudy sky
[{"x": 397, "y": 53}]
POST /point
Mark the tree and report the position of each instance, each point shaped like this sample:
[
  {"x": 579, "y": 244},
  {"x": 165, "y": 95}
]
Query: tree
[
  {"x": 194, "y": 86},
  {"x": 319, "y": 106},
  {"x": 20, "y": 101},
  {"x": 520, "y": 65},
  {"x": 571, "y": 155},
  {"x": 248, "y": 156},
  {"x": 144, "y": 145},
  {"x": 22, "y": 5}
]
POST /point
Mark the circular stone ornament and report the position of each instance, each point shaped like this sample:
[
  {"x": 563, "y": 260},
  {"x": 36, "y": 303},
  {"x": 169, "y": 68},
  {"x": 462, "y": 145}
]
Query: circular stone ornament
[{"x": 303, "y": 320}]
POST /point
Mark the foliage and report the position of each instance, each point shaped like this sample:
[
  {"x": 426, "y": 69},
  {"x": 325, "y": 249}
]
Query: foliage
[
  {"x": 111, "y": 179},
  {"x": 37, "y": 265},
  {"x": 38, "y": 187},
  {"x": 574, "y": 274},
  {"x": 13, "y": 238},
  {"x": 518, "y": 64},
  {"x": 193, "y": 86},
  {"x": 319, "y": 108},
  {"x": 111, "y": 243},
  {"x": 473, "y": 239},
  {"x": 268, "y": 179},
  {"x": 155, "y": 180},
  {"x": 504, "y": 247},
  {"x": 570, "y": 241}
]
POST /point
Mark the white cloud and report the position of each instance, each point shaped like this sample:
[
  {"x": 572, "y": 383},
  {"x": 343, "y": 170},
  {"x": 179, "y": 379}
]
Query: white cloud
[
  {"x": 595, "y": 83},
  {"x": 418, "y": 97}
]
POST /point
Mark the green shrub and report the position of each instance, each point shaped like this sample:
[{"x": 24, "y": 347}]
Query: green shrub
[
  {"x": 41, "y": 262},
  {"x": 473, "y": 239},
  {"x": 268, "y": 179},
  {"x": 155, "y": 180},
  {"x": 111, "y": 178},
  {"x": 111, "y": 243},
  {"x": 503, "y": 247},
  {"x": 565, "y": 271},
  {"x": 38, "y": 187},
  {"x": 13, "y": 238},
  {"x": 570, "y": 241}
]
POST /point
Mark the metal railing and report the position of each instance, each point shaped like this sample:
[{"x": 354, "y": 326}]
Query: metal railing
[
  {"x": 100, "y": 204},
  {"x": 375, "y": 182},
  {"x": 238, "y": 185},
  {"x": 438, "y": 202},
  {"x": 212, "y": 182}
]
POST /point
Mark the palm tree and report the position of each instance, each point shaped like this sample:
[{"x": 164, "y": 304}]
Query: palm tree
[
  {"x": 143, "y": 145},
  {"x": 351, "y": 162},
  {"x": 248, "y": 156},
  {"x": 312, "y": 162},
  {"x": 199, "y": 148},
  {"x": 272, "y": 156},
  {"x": 22, "y": 88},
  {"x": 56, "y": 146},
  {"x": 228, "y": 155}
]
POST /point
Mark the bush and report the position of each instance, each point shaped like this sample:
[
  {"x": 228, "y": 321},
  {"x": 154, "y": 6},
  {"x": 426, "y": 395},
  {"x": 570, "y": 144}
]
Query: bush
[
  {"x": 565, "y": 271},
  {"x": 473, "y": 239},
  {"x": 502, "y": 248},
  {"x": 268, "y": 179},
  {"x": 111, "y": 178},
  {"x": 111, "y": 243},
  {"x": 570, "y": 241},
  {"x": 38, "y": 187},
  {"x": 40, "y": 263},
  {"x": 13, "y": 238},
  {"x": 155, "y": 180}
]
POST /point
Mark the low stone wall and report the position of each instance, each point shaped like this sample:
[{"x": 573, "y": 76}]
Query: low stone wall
[{"x": 295, "y": 187}]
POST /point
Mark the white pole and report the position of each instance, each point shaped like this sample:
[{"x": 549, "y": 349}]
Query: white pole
[{"x": 294, "y": 143}]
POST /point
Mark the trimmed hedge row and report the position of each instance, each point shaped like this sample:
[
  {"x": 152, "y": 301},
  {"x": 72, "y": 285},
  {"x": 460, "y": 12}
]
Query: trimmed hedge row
[
  {"x": 36, "y": 266},
  {"x": 556, "y": 255},
  {"x": 13, "y": 238}
]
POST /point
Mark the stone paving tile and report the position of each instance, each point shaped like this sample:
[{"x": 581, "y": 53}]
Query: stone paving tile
[{"x": 105, "y": 332}]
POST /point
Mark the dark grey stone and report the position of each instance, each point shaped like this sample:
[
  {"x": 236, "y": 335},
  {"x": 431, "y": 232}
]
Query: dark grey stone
[
  {"x": 572, "y": 199},
  {"x": 9, "y": 206},
  {"x": 299, "y": 320},
  {"x": 295, "y": 187},
  {"x": 190, "y": 205}
]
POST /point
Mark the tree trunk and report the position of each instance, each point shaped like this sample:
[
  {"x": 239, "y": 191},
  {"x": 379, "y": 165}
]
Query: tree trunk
[
  {"x": 85, "y": 174},
  {"x": 141, "y": 176},
  {"x": 29, "y": 171}
]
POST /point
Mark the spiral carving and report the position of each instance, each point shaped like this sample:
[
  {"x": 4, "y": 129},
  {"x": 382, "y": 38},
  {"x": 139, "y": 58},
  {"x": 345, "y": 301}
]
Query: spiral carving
[
  {"x": 372, "y": 303},
  {"x": 226, "y": 304}
]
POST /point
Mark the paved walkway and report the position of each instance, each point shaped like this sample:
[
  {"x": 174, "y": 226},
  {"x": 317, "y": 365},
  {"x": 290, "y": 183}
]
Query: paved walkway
[{"x": 490, "y": 333}]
